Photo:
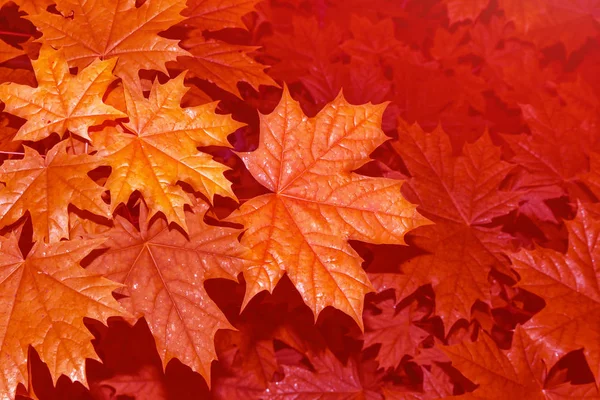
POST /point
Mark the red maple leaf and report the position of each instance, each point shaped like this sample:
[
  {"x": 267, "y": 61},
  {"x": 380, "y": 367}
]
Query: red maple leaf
[
  {"x": 519, "y": 373},
  {"x": 329, "y": 378},
  {"x": 461, "y": 195},
  {"x": 569, "y": 285},
  {"x": 395, "y": 331}
]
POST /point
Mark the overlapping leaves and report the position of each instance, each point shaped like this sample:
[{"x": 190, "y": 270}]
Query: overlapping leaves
[
  {"x": 318, "y": 204},
  {"x": 504, "y": 156}
]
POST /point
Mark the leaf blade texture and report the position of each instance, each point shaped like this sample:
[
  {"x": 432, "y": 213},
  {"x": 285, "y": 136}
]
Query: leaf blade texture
[
  {"x": 164, "y": 272},
  {"x": 61, "y": 102},
  {"x": 318, "y": 203},
  {"x": 47, "y": 294},
  {"x": 45, "y": 186},
  {"x": 159, "y": 149},
  {"x": 569, "y": 285},
  {"x": 114, "y": 29}
]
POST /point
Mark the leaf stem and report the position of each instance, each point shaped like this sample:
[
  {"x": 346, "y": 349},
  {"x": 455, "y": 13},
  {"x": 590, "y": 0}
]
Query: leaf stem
[{"x": 8, "y": 33}]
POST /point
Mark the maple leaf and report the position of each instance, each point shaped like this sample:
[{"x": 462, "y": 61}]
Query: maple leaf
[
  {"x": 459, "y": 10},
  {"x": 7, "y": 135},
  {"x": 61, "y": 102},
  {"x": 242, "y": 385},
  {"x": 145, "y": 384},
  {"x": 525, "y": 15},
  {"x": 8, "y": 52},
  {"x": 250, "y": 361},
  {"x": 311, "y": 55},
  {"x": 45, "y": 186},
  {"x": 525, "y": 69},
  {"x": 330, "y": 380},
  {"x": 550, "y": 21},
  {"x": 159, "y": 149},
  {"x": 45, "y": 297},
  {"x": 569, "y": 284},
  {"x": 22, "y": 76},
  {"x": 364, "y": 84},
  {"x": 402, "y": 284},
  {"x": 460, "y": 194},
  {"x": 425, "y": 93},
  {"x": 580, "y": 100},
  {"x": 436, "y": 384},
  {"x": 509, "y": 66},
  {"x": 373, "y": 41},
  {"x": 214, "y": 15},
  {"x": 32, "y": 7},
  {"x": 519, "y": 373},
  {"x": 448, "y": 46},
  {"x": 551, "y": 159},
  {"x": 222, "y": 63},
  {"x": 317, "y": 204},
  {"x": 395, "y": 331},
  {"x": 252, "y": 352},
  {"x": 164, "y": 273},
  {"x": 309, "y": 47},
  {"x": 106, "y": 29},
  {"x": 592, "y": 178},
  {"x": 458, "y": 265},
  {"x": 546, "y": 163}
]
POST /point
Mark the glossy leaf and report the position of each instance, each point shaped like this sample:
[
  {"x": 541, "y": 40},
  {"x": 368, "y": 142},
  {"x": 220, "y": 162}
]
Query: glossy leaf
[
  {"x": 108, "y": 29},
  {"x": 217, "y": 14},
  {"x": 164, "y": 272},
  {"x": 159, "y": 148},
  {"x": 61, "y": 101},
  {"x": 318, "y": 204},
  {"x": 45, "y": 297},
  {"x": 45, "y": 186}
]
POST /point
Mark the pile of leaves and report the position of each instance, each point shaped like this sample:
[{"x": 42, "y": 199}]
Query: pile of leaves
[{"x": 299, "y": 199}]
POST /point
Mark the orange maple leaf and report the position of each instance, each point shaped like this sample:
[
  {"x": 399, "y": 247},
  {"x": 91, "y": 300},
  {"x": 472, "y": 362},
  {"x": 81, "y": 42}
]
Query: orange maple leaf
[
  {"x": 164, "y": 273},
  {"x": 318, "y": 204},
  {"x": 8, "y": 52},
  {"x": 104, "y": 29},
  {"x": 222, "y": 63},
  {"x": 32, "y": 7},
  {"x": 7, "y": 135},
  {"x": 45, "y": 186},
  {"x": 44, "y": 298},
  {"x": 569, "y": 285},
  {"x": 214, "y": 15},
  {"x": 159, "y": 149},
  {"x": 61, "y": 101}
]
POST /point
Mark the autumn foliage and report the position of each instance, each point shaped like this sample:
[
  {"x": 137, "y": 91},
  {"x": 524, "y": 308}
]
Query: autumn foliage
[{"x": 299, "y": 199}]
